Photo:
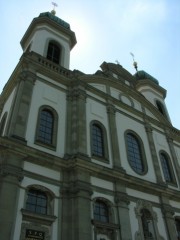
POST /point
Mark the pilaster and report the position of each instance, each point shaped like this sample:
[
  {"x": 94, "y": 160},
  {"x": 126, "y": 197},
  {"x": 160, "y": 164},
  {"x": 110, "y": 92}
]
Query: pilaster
[
  {"x": 168, "y": 214},
  {"x": 10, "y": 176},
  {"x": 76, "y": 206},
  {"x": 111, "y": 111},
  {"x": 174, "y": 156},
  {"x": 149, "y": 132},
  {"x": 19, "y": 112},
  {"x": 122, "y": 203},
  {"x": 76, "y": 141}
]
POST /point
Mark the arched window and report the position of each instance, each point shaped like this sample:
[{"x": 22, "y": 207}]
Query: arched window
[
  {"x": 147, "y": 224},
  {"x": 135, "y": 153},
  {"x": 53, "y": 52},
  {"x": 97, "y": 141},
  {"x": 36, "y": 201},
  {"x": 161, "y": 108},
  {"x": 104, "y": 220},
  {"x": 101, "y": 211},
  {"x": 2, "y": 123},
  {"x": 167, "y": 168},
  {"x": 46, "y": 132},
  {"x": 99, "y": 146}
]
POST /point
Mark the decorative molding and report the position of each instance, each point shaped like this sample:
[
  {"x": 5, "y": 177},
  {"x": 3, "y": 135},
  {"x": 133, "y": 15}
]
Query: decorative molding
[
  {"x": 36, "y": 227},
  {"x": 8, "y": 169}
]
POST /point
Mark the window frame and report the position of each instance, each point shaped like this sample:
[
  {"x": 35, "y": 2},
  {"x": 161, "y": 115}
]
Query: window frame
[
  {"x": 170, "y": 168},
  {"x": 51, "y": 58},
  {"x": 53, "y": 143},
  {"x": 141, "y": 150},
  {"x": 105, "y": 155},
  {"x": 35, "y": 201}
]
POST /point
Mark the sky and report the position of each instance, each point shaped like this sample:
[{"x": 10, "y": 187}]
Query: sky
[{"x": 106, "y": 30}]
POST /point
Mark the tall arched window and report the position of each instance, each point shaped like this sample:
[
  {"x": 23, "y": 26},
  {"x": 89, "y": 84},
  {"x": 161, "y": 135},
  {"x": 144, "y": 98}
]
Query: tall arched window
[
  {"x": 135, "y": 153},
  {"x": 53, "y": 52},
  {"x": 46, "y": 125},
  {"x": 99, "y": 146},
  {"x": 167, "y": 168},
  {"x": 97, "y": 141},
  {"x": 46, "y": 132},
  {"x": 101, "y": 211}
]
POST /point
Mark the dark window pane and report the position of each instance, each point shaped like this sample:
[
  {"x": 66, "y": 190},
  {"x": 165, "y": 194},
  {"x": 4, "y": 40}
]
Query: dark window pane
[
  {"x": 101, "y": 212},
  {"x": 97, "y": 141},
  {"x": 134, "y": 153},
  {"x": 46, "y": 124},
  {"x": 53, "y": 53},
  {"x": 165, "y": 167},
  {"x": 36, "y": 201}
]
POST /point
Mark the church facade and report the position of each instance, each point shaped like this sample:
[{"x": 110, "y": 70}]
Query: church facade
[{"x": 84, "y": 156}]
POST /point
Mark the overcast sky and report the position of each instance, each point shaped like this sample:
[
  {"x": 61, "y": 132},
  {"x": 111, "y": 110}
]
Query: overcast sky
[{"x": 106, "y": 30}]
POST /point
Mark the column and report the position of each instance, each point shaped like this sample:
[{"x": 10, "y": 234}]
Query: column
[
  {"x": 20, "y": 107},
  {"x": 122, "y": 202},
  {"x": 174, "y": 157},
  {"x": 10, "y": 176},
  {"x": 76, "y": 206},
  {"x": 111, "y": 111},
  {"x": 76, "y": 141},
  {"x": 168, "y": 214},
  {"x": 153, "y": 153}
]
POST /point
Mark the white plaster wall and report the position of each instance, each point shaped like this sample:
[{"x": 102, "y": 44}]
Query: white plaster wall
[
  {"x": 43, "y": 171},
  {"x": 100, "y": 87},
  {"x": 115, "y": 93},
  {"x": 39, "y": 42},
  {"x": 177, "y": 150},
  {"x": 150, "y": 114},
  {"x": 7, "y": 107},
  {"x": 142, "y": 195},
  {"x": 174, "y": 204},
  {"x": 150, "y": 94},
  {"x": 8, "y": 103},
  {"x": 25, "y": 183},
  {"x": 97, "y": 111},
  {"x": 102, "y": 183},
  {"x": 160, "y": 223},
  {"x": 134, "y": 221},
  {"x": 44, "y": 94},
  {"x": 125, "y": 123}
]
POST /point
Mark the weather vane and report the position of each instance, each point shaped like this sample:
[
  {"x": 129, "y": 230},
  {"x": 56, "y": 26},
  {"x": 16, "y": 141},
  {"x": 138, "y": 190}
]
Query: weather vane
[
  {"x": 134, "y": 62},
  {"x": 55, "y": 5}
]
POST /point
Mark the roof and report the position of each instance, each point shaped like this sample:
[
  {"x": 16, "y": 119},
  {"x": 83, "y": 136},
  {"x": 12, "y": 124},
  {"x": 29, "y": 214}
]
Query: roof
[
  {"x": 144, "y": 75},
  {"x": 55, "y": 19}
]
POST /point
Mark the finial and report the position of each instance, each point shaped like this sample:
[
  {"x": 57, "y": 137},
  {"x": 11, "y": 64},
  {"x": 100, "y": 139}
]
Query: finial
[
  {"x": 55, "y": 5},
  {"x": 117, "y": 62},
  {"x": 134, "y": 62}
]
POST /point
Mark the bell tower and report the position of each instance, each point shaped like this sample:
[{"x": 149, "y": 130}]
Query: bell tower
[{"x": 51, "y": 37}]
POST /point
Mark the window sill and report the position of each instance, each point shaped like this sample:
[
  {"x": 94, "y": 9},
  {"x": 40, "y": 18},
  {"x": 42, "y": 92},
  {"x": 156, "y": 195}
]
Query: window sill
[
  {"x": 46, "y": 145},
  {"x": 38, "y": 218},
  {"x": 101, "y": 159},
  {"x": 104, "y": 224}
]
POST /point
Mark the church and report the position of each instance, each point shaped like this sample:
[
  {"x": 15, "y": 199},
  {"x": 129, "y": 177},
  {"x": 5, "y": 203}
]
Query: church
[{"x": 84, "y": 156}]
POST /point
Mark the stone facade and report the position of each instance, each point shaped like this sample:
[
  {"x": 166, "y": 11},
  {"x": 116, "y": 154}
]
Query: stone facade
[{"x": 84, "y": 156}]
